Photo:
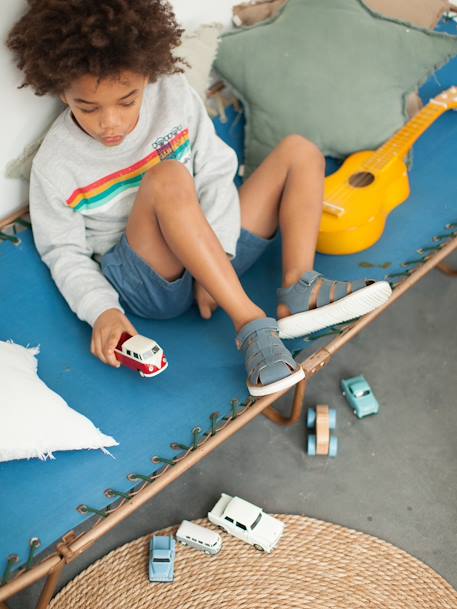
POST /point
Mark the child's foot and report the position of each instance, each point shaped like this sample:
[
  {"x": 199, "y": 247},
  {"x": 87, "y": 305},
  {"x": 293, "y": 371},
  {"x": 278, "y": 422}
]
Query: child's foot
[
  {"x": 269, "y": 364},
  {"x": 315, "y": 302}
]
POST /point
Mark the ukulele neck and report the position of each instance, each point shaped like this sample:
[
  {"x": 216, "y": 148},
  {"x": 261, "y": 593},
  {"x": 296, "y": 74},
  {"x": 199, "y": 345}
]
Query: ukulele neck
[{"x": 399, "y": 145}]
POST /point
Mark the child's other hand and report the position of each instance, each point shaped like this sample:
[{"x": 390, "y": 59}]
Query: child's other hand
[
  {"x": 206, "y": 303},
  {"x": 105, "y": 334}
]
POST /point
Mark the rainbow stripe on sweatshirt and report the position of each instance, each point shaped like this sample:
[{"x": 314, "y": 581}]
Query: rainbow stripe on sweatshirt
[{"x": 116, "y": 185}]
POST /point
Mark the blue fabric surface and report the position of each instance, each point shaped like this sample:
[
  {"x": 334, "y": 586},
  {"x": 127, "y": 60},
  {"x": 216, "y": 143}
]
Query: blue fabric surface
[{"x": 205, "y": 370}]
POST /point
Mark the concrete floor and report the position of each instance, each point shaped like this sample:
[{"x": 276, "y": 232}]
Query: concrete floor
[{"x": 395, "y": 474}]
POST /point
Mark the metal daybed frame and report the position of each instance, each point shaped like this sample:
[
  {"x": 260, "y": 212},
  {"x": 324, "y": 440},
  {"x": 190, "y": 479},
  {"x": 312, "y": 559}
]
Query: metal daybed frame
[{"x": 72, "y": 545}]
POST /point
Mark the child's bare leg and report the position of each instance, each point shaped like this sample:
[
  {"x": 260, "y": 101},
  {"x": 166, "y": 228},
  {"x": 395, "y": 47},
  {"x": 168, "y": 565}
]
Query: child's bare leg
[
  {"x": 168, "y": 229},
  {"x": 286, "y": 191}
]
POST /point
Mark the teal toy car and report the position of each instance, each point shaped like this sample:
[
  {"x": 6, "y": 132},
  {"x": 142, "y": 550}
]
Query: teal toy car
[
  {"x": 358, "y": 393},
  {"x": 162, "y": 552}
]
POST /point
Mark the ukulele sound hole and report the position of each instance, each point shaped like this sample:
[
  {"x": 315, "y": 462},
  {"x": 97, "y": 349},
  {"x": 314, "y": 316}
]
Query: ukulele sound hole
[{"x": 361, "y": 179}]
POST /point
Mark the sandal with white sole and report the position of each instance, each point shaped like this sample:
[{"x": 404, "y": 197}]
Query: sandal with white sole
[
  {"x": 270, "y": 366},
  {"x": 316, "y": 302}
]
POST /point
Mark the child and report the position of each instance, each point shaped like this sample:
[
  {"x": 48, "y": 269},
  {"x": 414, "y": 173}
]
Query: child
[{"x": 132, "y": 198}]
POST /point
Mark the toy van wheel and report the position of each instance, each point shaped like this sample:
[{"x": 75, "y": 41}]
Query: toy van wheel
[
  {"x": 312, "y": 446},
  {"x": 311, "y": 418},
  {"x": 141, "y": 373},
  {"x": 259, "y": 548},
  {"x": 332, "y": 418},
  {"x": 333, "y": 447}
]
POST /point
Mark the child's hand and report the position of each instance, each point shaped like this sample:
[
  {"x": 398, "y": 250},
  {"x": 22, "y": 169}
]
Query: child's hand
[
  {"x": 206, "y": 303},
  {"x": 105, "y": 334}
]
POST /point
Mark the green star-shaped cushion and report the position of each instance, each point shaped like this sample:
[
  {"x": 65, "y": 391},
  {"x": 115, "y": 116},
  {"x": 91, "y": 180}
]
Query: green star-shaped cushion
[{"x": 331, "y": 70}]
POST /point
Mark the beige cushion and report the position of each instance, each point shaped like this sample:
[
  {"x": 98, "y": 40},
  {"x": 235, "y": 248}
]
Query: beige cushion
[
  {"x": 199, "y": 49},
  {"x": 423, "y": 13},
  {"x": 250, "y": 13}
]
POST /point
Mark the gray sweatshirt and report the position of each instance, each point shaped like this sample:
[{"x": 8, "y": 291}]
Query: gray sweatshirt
[{"x": 82, "y": 192}]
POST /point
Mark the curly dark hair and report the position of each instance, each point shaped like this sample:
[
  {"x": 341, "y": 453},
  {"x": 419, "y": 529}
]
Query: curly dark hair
[{"x": 58, "y": 41}]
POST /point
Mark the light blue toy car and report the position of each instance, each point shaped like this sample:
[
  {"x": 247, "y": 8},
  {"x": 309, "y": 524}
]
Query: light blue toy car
[
  {"x": 358, "y": 393},
  {"x": 162, "y": 552}
]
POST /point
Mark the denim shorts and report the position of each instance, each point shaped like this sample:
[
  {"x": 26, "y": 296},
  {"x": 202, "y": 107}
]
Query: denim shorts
[{"x": 144, "y": 292}]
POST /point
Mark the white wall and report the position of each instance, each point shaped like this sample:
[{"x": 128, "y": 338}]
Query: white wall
[
  {"x": 191, "y": 13},
  {"x": 24, "y": 116}
]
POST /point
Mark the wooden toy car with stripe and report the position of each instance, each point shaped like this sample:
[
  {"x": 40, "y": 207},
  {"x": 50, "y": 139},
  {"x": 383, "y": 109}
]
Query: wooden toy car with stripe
[
  {"x": 141, "y": 354},
  {"x": 322, "y": 419}
]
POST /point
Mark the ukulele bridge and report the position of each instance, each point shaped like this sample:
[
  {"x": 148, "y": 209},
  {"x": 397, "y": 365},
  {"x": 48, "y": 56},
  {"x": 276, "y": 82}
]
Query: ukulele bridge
[{"x": 333, "y": 210}]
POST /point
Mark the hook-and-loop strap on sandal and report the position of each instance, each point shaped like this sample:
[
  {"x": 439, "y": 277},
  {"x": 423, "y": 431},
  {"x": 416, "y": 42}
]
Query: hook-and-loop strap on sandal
[{"x": 270, "y": 366}]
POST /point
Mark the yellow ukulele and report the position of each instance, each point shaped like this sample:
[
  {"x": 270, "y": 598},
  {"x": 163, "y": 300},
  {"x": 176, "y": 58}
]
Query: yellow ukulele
[{"x": 370, "y": 184}]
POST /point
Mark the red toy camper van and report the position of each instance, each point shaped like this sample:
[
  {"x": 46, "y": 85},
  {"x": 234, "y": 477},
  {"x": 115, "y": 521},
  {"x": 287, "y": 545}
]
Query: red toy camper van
[{"x": 140, "y": 353}]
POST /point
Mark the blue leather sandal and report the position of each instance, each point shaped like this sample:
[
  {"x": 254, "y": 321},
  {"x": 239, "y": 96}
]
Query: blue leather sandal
[
  {"x": 316, "y": 302},
  {"x": 270, "y": 366}
]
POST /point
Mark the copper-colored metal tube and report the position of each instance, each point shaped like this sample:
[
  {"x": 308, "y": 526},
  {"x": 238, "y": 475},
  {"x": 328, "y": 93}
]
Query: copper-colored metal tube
[
  {"x": 50, "y": 585},
  {"x": 296, "y": 410},
  {"x": 13, "y": 217}
]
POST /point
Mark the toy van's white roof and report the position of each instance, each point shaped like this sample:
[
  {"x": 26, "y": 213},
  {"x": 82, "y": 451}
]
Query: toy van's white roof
[
  {"x": 242, "y": 511},
  {"x": 198, "y": 532},
  {"x": 139, "y": 344}
]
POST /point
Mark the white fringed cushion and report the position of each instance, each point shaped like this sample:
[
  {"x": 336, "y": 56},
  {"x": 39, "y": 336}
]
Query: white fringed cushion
[{"x": 34, "y": 420}]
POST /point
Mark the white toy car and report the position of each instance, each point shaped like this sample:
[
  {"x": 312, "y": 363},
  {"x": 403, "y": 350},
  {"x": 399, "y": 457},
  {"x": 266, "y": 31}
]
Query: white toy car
[
  {"x": 247, "y": 522},
  {"x": 198, "y": 537}
]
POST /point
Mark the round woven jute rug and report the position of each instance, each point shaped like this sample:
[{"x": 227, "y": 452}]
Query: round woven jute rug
[{"x": 316, "y": 564}]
